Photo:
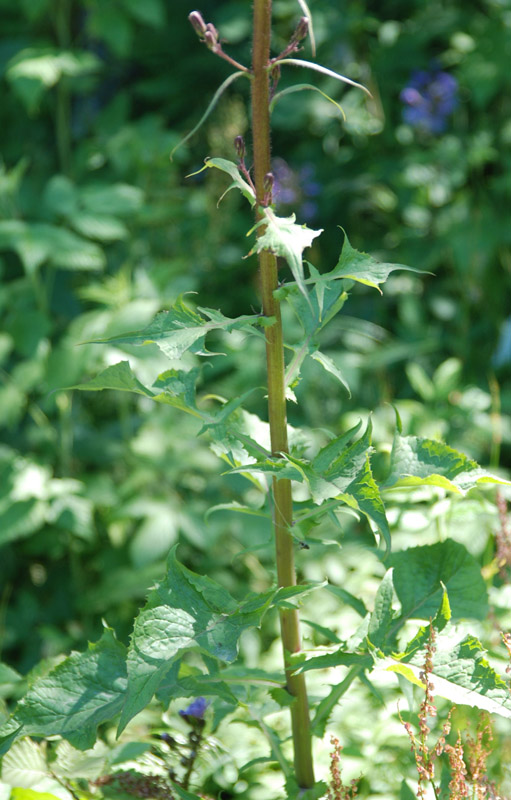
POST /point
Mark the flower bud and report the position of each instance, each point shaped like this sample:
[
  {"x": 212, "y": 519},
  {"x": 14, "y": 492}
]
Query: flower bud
[
  {"x": 211, "y": 40},
  {"x": 239, "y": 146},
  {"x": 268, "y": 182},
  {"x": 302, "y": 30},
  {"x": 197, "y": 22}
]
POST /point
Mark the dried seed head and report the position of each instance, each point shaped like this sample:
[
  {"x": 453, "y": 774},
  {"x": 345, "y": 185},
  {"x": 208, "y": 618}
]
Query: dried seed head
[
  {"x": 239, "y": 146},
  {"x": 197, "y": 22}
]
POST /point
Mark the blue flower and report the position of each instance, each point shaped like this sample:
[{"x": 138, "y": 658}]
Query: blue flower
[
  {"x": 429, "y": 99},
  {"x": 295, "y": 188},
  {"x": 197, "y": 708}
]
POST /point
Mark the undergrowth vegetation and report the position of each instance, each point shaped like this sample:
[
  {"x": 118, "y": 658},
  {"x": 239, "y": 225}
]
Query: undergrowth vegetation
[{"x": 158, "y": 328}]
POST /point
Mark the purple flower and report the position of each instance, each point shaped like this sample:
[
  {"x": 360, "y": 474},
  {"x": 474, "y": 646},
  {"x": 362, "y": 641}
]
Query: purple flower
[
  {"x": 197, "y": 708},
  {"x": 295, "y": 188},
  {"x": 429, "y": 99}
]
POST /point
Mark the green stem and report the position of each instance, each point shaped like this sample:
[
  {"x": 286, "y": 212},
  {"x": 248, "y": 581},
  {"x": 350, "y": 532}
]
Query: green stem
[{"x": 283, "y": 507}]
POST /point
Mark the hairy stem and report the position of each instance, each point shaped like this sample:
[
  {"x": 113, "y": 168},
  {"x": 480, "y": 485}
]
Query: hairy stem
[{"x": 283, "y": 508}]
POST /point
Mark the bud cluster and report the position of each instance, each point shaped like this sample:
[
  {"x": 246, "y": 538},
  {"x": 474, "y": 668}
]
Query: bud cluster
[{"x": 207, "y": 32}]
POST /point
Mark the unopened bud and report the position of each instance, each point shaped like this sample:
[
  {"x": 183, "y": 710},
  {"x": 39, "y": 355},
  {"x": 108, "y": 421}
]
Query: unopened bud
[
  {"x": 197, "y": 22},
  {"x": 268, "y": 182},
  {"x": 302, "y": 30},
  {"x": 211, "y": 40},
  {"x": 239, "y": 146}
]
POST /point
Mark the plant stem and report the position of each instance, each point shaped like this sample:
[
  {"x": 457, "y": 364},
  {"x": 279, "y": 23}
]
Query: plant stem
[{"x": 283, "y": 507}]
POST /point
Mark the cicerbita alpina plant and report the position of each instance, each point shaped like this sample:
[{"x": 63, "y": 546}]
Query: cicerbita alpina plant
[{"x": 191, "y": 617}]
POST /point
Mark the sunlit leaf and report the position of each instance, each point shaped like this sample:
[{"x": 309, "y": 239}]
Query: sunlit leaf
[
  {"x": 229, "y": 167},
  {"x": 285, "y": 238},
  {"x": 119, "y": 377},
  {"x": 416, "y": 461},
  {"x": 185, "y": 610},
  {"x": 421, "y": 573}
]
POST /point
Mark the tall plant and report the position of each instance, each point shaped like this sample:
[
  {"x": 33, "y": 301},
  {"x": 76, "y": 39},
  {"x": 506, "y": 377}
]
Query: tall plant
[{"x": 186, "y": 612}]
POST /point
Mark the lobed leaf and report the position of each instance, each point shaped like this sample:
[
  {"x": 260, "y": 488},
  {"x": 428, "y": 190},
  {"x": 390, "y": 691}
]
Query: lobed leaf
[
  {"x": 76, "y": 696},
  {"x": 285, "y": 238},
  {"x": 461, "y": 673},
  {"x": 181, "y": 329},
  {"x": 417, "y": 461},
  {"x": 362, "y": 268},
  {"x": 186, "y": 610},
  {"x": 119, "y": 377}
]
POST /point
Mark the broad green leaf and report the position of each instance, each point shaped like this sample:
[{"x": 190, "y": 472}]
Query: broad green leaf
[
  {"x": 24, "y": 765},
  {"x": 72, "y": 763},
  {"x": 461, "y": 673},
  {"x": 8, "y": 679},
  {"x": 423, "y": 635},
  {"x": 34, "y": 70},
  {"x": 181, "y": 329},
  {"x": 185, "y": 611},
  {"x": 119, "y": 377},
  {"x": 381, "y": 617},
  {"x": 36, "y": 242},
  {"x": 295, "y": 792},
  {"x": 119, "y": 199},
  {"x": 285, "y": 238},
  {"x": 420, "y": 573},
  {"x": 77, "y": 695},
  {"x": 176, "y": 388},
  {"x": 102, "y": 227},
  {"x": 427, "y": 462},
  {"x": 325, "y": 299},
  {"x": 194, "y": 686},
  {"x": 229, "y": 167},
  {"x": 362, "y": 268}
]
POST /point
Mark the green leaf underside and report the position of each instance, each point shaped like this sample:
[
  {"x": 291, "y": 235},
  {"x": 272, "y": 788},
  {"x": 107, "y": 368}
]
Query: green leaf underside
[
  {"x": 186, "y": 610},
  {"x": 181, "y": 329},
  {"x": 417, "y": 461},
  {"x": 37, "y": 242},
  {"x": 381, "y": 617},
  {"x": 340, "y": 470},
  {"x": 461, "y": 673},
  {"x": 363, "y": 268},
  {"x": 230, "y": 168},
  {"x": 420, "y": 572},
  {"x": 119, "y": 377},
  {"x": 77, "y": 695},
  {"x": 285, "y": 238}
]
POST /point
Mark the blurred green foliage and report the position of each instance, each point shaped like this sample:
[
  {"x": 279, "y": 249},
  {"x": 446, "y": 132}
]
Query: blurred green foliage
[{"x": 99, "y": 230}]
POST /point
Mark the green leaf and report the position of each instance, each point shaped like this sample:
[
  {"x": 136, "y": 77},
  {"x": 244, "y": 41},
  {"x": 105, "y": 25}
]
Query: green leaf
[
  {"x": 381, "y": 617},
  {"x": 150, "y": 12},
  {"x": 118, "y": 199},
  {"x": 177, "y": 389},
  {"x": 285, "y": 238},
  {"x": 339, "y": 658},
  {"x": 327, "y": 364},
  {"x": 328, "y": 703},
  {"x": 78, "y": 695},
  {"x": 420, "y": 573},
  {"x": 18, "y": 793},
  {"x": 36, "y": 242},
  {"x": 423, "y": 635},
  {"x": 461, "y": 673},
  {"x": 102, "y": 227},
  {"x": 185, "y": 611},
  {"x": 229, "y": 167},
  {"x": 119, "y": 377},
  {"x": 181, "y": 329},
  {"x": 362, "y": 268},
  {"x": 416, "y": 461}
]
